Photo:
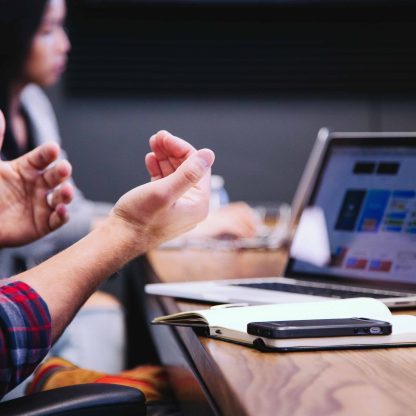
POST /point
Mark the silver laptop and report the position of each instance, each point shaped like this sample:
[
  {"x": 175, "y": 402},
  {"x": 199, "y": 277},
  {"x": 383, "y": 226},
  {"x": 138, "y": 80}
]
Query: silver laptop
[{"x": 364, "y": 184}]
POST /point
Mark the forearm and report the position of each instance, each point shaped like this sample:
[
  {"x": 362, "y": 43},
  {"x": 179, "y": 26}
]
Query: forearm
[
  {"x": 142, "y": 218},
  {"x": 66, "y": 280}
]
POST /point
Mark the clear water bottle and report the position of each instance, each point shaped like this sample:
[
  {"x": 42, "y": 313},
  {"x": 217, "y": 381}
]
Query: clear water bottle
[{"x": 219, "y": 195}]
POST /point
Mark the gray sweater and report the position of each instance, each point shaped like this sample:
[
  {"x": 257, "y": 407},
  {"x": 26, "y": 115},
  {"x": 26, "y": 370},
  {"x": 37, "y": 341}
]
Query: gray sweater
[{"x": 82, "y": 211}]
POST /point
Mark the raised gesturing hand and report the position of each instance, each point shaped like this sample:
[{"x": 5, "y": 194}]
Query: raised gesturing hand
[
  {"x": 176, "y": 199},
  {"x": 33, "y": 195}
]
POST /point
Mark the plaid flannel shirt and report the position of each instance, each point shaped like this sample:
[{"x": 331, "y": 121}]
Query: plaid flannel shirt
[{"x": 25, "y": 333}]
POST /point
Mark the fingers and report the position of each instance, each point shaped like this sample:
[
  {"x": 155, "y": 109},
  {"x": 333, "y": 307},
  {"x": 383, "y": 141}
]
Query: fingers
[
  {"x": 57, "y": 174},
  {"x": 153, "y": 167},
  {"x": 58, "y": 217},
  {"x": 190, "y": 173},
  {"x": 61, "y": 195},
  {"x": 39, "y": 158},
  {"x": 170, "y": 151},
  {"x": 57, "y": 201},
  {"x": 164, "y": 144}
]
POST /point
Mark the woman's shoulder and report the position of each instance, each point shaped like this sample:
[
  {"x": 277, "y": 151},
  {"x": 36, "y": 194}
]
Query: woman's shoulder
[
  {"x": 41, "y": 114},
  {"x": 33, "y": 96}
]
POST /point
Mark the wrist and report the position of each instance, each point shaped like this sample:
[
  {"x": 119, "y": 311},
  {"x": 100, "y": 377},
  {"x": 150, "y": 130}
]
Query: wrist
[{"x": 127, "y": 240}]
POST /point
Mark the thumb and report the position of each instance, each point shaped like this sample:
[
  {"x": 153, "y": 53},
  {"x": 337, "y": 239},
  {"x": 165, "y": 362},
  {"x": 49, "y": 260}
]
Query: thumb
[{"x": 190, "y": 173}]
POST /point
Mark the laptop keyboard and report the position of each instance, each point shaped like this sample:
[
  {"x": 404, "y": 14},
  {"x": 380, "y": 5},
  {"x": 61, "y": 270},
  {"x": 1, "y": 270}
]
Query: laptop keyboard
[{"x": 322, "y": 291}]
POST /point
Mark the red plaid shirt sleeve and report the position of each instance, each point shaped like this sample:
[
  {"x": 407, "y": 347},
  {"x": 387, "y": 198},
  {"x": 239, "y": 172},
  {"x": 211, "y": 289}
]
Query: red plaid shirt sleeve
[{"x": 25, "y": 333}]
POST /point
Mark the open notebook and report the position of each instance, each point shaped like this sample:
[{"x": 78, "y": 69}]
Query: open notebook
[{"x": 230, "y": 324}]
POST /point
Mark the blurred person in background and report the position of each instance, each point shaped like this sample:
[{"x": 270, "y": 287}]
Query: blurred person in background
[{"x": 34, "y": 50}]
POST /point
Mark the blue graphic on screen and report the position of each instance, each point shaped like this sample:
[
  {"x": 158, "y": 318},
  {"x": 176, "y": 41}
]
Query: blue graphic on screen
[
  {"x": 373, "y": 212},
  {"x": 404, "y": 194},
  {"x": 350, "y": 209}
]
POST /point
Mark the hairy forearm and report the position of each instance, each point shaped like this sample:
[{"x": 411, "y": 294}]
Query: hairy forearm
[{"x": 66, "y": 280}]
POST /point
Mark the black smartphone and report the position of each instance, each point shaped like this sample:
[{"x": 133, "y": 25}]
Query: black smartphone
[{"x": 319, "y": 328}]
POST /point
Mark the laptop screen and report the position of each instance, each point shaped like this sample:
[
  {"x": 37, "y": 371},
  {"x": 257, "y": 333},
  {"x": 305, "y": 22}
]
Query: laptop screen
[{"x": 366, "y": 189}]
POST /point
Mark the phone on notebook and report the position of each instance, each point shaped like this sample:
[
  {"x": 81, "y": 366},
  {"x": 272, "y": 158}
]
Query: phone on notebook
[{"x": 311, "y": 328}]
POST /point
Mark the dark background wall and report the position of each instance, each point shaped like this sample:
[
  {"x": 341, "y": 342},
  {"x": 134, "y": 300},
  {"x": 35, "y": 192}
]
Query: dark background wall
[{"x": 254, "y": 83}]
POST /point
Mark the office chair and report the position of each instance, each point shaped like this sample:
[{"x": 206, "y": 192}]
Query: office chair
[{"x": 79, "y": 400}]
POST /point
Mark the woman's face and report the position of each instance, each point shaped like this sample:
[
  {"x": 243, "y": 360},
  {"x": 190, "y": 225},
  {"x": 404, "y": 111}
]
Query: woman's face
[{"x": 47, "y": 56}]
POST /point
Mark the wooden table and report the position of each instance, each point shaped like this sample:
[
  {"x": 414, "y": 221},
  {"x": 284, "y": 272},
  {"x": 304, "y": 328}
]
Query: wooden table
[{"x": 215, "y": 377}]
